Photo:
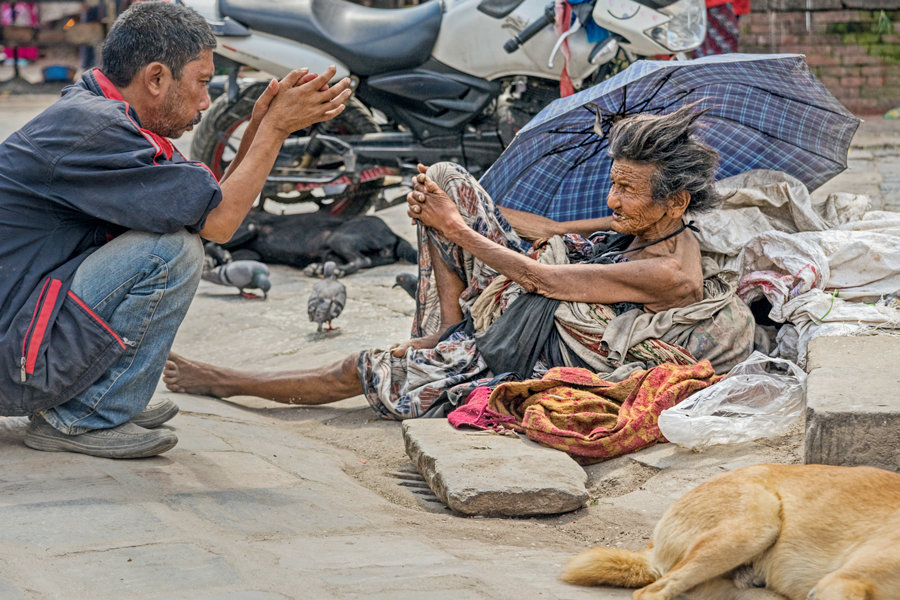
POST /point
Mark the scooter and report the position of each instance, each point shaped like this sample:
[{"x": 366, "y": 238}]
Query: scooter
[{"x": 443, "y": 80}]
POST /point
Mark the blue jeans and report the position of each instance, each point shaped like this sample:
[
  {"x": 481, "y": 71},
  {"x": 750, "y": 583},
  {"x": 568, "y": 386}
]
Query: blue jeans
[{"x": 141, "y": 284}]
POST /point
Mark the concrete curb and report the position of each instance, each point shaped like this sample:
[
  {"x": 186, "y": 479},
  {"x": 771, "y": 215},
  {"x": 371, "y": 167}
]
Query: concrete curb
[{"x": 852, "y": 408}]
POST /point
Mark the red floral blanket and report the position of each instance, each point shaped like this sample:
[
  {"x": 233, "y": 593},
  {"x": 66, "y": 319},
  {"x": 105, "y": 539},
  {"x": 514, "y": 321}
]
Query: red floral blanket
[{"x": 576, "y": 411}]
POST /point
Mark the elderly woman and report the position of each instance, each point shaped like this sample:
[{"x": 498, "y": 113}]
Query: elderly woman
[{"x": 491, "y": 303}]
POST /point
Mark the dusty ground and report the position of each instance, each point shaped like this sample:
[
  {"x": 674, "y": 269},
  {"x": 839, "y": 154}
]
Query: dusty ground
[{"x": 622, "y": 483}]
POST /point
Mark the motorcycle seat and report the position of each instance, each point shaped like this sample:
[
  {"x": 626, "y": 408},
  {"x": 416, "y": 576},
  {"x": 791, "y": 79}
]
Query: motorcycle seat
[{"x": 368, "y": 40}]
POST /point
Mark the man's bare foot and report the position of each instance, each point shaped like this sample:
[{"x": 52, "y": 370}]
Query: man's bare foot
[{"x": 191, "y": 377}]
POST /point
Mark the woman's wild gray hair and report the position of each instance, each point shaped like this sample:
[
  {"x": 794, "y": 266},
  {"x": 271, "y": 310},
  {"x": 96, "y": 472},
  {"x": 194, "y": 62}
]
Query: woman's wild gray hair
[
  {"x": 164, "y": 32},
  {"x": 682, "y": 161}
]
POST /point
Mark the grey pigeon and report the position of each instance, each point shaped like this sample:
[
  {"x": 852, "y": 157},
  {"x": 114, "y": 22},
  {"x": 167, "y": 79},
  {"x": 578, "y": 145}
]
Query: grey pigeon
[
  {"x": 408, "y": 282},
  {"x": 327, "y": 299},
  {"x": 242, "y": 274}
]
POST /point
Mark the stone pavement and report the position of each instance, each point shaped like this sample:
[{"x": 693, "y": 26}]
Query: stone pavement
[
  {"x": 262, "y": 501},
  {"x": 244, "y": 508}
]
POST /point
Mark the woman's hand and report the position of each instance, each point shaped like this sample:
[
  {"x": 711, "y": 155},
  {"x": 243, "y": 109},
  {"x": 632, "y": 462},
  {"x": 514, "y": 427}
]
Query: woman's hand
[{"x": 431, "y": 206}]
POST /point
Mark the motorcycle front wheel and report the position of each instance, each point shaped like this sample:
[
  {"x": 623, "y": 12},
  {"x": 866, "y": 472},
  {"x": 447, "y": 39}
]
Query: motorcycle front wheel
[{"x": 218, "y": 137}]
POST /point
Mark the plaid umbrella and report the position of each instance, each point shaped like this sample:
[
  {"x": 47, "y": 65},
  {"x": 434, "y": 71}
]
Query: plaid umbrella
[{"x": 765, "y": 112}]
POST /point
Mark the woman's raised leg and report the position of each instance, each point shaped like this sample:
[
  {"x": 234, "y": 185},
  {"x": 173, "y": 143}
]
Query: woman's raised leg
[
  {"x": 449, "y": 287},
  {"x": 461, "y": 274}
]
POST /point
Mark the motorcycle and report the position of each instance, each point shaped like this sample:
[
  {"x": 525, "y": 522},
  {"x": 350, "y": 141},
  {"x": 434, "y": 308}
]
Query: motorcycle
[{"x": 444, "y": 80}]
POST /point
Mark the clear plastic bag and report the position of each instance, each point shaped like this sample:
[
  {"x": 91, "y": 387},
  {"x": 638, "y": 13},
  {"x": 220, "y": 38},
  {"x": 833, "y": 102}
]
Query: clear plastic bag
[{"x": 760, "y": 397}]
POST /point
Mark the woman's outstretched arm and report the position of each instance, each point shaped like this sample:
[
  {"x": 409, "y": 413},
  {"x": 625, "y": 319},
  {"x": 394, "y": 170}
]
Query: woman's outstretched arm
[
  {"x": 535, "y": 227},
  {"x": 659, "y": 282}
]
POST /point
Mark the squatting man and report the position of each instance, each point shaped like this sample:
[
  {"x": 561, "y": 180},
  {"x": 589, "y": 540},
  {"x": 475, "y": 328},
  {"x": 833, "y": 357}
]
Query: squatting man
[{"x": 101, "y": 220}]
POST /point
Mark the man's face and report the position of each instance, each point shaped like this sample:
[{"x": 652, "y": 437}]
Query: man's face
[{"x": 184, "y": 99}]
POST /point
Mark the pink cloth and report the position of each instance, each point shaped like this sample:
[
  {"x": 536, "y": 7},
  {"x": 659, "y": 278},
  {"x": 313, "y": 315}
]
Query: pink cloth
[{"x": 475, "y": 412}]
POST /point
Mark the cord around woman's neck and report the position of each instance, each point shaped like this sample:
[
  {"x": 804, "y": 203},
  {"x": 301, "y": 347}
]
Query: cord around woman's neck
[{"x": 688, "y": 225}]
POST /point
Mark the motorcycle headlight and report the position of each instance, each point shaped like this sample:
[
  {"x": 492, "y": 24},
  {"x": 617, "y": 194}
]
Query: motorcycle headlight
[{"x": 685, "y": 30}]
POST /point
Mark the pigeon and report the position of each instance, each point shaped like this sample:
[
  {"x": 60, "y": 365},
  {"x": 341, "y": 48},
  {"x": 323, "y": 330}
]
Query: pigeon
[
  {"x": 408, "y": 282},
  {"x": 242, "y": 274},
  {"x": 327, "y": 299}
]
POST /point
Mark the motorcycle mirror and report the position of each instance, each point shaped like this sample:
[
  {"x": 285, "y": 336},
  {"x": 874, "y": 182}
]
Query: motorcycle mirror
[{"x": 604, "y": 51}]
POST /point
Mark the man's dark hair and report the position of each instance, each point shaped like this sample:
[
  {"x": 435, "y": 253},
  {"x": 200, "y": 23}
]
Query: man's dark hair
[
  {"x": 668, "y": 142},
  {"x": 154, "y": 32}
]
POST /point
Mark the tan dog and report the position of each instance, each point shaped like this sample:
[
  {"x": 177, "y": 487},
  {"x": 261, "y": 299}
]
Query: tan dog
[{"x": 766, "y": 532}]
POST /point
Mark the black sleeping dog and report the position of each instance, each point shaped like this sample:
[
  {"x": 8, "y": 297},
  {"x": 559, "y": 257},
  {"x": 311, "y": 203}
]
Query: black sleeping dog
[{"x": 308, "y": 240}]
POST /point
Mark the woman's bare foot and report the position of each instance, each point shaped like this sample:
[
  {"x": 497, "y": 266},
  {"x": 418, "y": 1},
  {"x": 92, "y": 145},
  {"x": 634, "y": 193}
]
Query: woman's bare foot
[{"x": 191, "y": 377}]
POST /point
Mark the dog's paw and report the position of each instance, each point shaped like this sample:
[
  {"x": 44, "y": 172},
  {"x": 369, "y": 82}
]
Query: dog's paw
[
  {"x": 314, "y": 270},
  {"x": 318, "y": 269}
]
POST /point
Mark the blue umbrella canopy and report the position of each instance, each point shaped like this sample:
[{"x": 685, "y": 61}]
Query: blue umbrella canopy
[{"x": 764, "y": 112}]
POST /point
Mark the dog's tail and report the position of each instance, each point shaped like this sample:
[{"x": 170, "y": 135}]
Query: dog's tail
[
  {"x": 404, "y": 251},
  {"x": 610, "y": 566}
]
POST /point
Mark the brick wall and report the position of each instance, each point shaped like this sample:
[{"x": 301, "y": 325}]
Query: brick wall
[{"x": 853, "y": 46}]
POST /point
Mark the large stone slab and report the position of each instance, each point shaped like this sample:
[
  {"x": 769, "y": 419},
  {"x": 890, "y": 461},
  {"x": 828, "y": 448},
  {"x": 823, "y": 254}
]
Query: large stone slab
[
  {"x": 481, "y": 473},
  {"x": 853, "y": 410}
]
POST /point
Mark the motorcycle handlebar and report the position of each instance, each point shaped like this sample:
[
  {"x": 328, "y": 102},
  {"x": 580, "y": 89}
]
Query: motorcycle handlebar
[{"x": 532, "y": 30}]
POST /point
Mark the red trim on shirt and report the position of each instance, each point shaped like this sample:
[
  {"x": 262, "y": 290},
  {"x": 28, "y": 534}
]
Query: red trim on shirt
[
  {"x": 213, "y": 175},
  {"x": 81, "y": 303},
  {"x": 106, "y": 86},
  {"x": 163, "y": 145},
  {"x": 159, "y": 143},
  {"x": 40, "y": 327},
  {"x": 196, "y": 162},
  {"x": 37, "y": 307}
]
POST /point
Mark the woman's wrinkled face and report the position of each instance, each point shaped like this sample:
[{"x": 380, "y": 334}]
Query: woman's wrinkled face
[{"x": 631, "y": 198}]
